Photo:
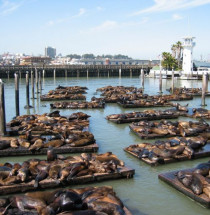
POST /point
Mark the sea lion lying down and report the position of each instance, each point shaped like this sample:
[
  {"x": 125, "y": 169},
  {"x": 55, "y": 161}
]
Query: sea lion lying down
[
  {"x": 197, "y": 180},
  {"x": 87, "y": 201}
]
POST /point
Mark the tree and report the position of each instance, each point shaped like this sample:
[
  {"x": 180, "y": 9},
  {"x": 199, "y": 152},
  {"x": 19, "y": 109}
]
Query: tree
[
  {"x": 88, "y": 56},
  {"x": 168, "y": 61},
  {"x": 177, "y": 52}
]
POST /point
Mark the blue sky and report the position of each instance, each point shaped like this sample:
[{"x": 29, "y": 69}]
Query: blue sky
[{"x": 139, "y": 28}]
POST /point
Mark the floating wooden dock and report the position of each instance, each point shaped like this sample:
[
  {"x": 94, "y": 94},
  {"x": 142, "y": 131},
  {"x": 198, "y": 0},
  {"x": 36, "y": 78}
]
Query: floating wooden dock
[
  {"x": 148, "y": 118},
  {"x": 143, "y": 106},
  {"x": 20, "y": 151},
  {"x": 123, "y": 172},
  {"x": 171, "y": 179},
  {"x": 205, "y": 152}
]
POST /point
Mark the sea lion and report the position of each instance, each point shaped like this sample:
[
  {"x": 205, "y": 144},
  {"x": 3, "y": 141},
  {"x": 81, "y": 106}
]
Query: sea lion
[
  {"x": 4, "y": 171},
  {"x": 68, "y": 200},
  {"x": 23, "y": 173},
  {"x": 106, "y": 157},
  {"x": 38, "y": 144},
  {"x": 54, "y": 171},
  {"x": 202, "y": 169},
  {"x": 51, "y": 155},
  {"x": 40, "y": 176},
  {"x": 4, "y": 144},
  {"x": 15, "y": 168},
  {"x": 23, "y": 203},
  {"x": 14, "y": 143},
  {"x": 54, "y": 143},
  {"x": 106, "y": 207}
]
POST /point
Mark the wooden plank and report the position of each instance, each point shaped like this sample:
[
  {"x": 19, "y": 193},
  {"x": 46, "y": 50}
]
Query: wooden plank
[
  {"x": 61, "y": 150},
  {"x": 171, "y": 179}
]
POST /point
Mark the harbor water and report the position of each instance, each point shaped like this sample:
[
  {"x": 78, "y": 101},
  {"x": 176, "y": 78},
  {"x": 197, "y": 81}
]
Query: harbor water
[{"x": 144, "y": 194}]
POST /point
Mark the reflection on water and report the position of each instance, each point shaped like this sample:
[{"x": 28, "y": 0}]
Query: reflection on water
[{"x": 144, "y": 194}]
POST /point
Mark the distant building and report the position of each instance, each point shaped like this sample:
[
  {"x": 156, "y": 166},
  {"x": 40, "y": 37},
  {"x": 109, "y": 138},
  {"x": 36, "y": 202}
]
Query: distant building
[
  {"x": 50, "y": 52},
  {"x": 35, "y": 60}
]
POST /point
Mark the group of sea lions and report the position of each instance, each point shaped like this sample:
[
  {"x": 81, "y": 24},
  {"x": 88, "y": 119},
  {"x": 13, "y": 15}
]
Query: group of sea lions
[
  {"x": 169, "y": 128},
  {"x": 78, "y": 105},
  {"x": 144, "y": 115},
  {"x": 197, "y": 180},
  {"x": 59, "y": 131},
  {"x": 80, "y": 201},
  {"x": 59, "y": 168},
  {"x": 65, "y": 93},
  {"x": 52, "y": 123},
  {"x": 185, "y": 90},
  {"x": 173, "y": 148}
]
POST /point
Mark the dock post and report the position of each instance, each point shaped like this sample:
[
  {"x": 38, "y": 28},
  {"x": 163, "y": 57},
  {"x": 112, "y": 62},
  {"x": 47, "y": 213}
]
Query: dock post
[
  {"x": 32, "y": 83},
  {"x": 54, "y": 73},
  {"x": 207, "y": 80},
  {"x": 20, "y": 74},
  {"x": 17, "y": 106},
  {"x": 87, "y": 73},
  {"x": 142, "y": 78},
  {"x": 2, "y": 110},
  {"x": 40, "y": 82},
  {"x": 130, "y": 73},
  {"x": 36, "y": 80},
  {"x": 43, "y": 73},
  {"x": 27, "y": 92},
  {"x": 8, "y": 74},
  {"x": 172, "y": 80},
  {"x": 160, "y": 82},
  {"x": 120, "y": 71},
  {"x": 204, "y": 89}
]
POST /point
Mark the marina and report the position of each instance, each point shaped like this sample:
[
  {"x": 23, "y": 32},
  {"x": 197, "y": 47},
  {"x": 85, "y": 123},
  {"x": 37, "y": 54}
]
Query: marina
[{"x": 115, "y": 137}]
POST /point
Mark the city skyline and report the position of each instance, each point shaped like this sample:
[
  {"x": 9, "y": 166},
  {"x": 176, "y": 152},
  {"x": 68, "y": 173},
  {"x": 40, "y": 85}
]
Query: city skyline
[{"x": 140, "y": 29}]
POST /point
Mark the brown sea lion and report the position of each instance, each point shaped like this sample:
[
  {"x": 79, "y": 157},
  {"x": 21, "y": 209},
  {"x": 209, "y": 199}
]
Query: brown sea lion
[
  {"x": 23, "y": 173},
  {"x": 24, "y": 203},
  {"x": 38, "y": 144},
  {"x": 14, "y": 143},
  {"x": 40, "y": 176},
  {"x": 106, "y": 157},
  {"x": 202, "y": 169},
  {"x": 54, "y": 143},
  {"x": 51, "y": 155}
]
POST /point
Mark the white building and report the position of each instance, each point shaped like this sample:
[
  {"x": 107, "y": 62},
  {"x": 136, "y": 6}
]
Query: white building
[{"x": 187, "y": 65}]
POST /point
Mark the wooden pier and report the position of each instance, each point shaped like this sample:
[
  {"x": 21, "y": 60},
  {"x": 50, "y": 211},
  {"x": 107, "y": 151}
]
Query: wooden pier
[{"x": 76, "y": 70}]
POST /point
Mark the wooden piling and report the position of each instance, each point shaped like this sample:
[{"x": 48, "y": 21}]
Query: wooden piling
[
  {"x": 207, "y": 80},
  {"x": 120, "y": 72},
  {"x": 142, "y": 78},
  {"x": 36, "y": 80},
  {"x": 32, "y": 84},
  {"x": 87, "y": 73},
  {"x": 54, "y": 73},
  {"x": 27, "y": 91},
  {"x": 204, "y": 82},
  {"x": 43, "y": 73},
  {"x": 130, "y": 73},
  {"x": 17, "y": 103},
  {"x": 40, "y": 82},
  {"x": 8, "y": 74},
  {"x": 160, "y": 82},
  {"x": 66, "y": 74},
  {"x": 172, "y": 82},
  {"x": 2, "y": 110}
]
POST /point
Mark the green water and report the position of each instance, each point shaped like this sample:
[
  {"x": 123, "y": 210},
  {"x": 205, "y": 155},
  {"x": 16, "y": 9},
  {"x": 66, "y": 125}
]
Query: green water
[{"x": 144, "y": 194}]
